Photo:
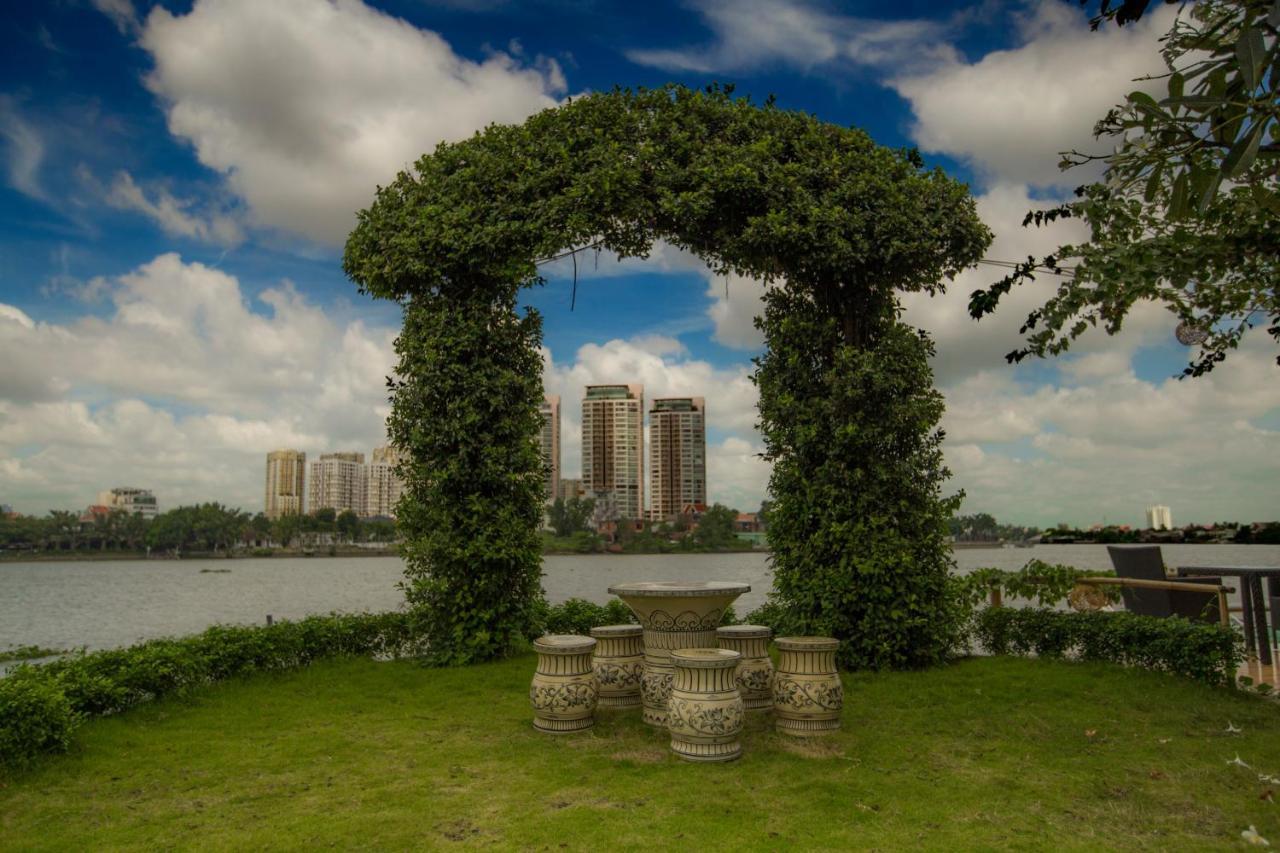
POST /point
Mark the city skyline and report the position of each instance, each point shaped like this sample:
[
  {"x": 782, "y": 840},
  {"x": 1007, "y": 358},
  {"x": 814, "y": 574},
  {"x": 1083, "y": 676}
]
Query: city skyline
[{"x": 173, "y": 307}]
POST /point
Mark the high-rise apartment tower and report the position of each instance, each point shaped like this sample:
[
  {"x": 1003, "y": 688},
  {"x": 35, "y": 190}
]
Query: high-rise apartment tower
[
  {"x": 677, "y": 455},
  {"x": 613, "y": 446},
  {"x": 286, "y": 483},
  {"x": 1159, "y": 518},
  {"x": 549, "y": 444},
  {"x": 339, "y": 481},
  {"x": 385, "y": 485}
]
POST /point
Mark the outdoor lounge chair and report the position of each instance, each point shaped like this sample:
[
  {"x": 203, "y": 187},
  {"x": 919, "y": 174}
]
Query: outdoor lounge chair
[{"x": 1147, "y": 590}]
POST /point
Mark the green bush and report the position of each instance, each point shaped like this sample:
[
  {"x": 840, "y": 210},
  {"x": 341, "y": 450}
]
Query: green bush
[
  {"x": 35, "y": 717},
  {"x": 770, "y": 614},
  {"x": 579, "y": 616},
  {"x": 858, "y": 524},
  {"x": 40, "y": 705},
  {"x": 1204, "y": 652}
]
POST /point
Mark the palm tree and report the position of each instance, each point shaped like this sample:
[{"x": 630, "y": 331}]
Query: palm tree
[{"x": 66, "y": 526}]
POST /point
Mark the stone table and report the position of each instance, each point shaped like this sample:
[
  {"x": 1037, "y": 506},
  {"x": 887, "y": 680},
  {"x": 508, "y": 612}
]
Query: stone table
[{"x": 674, "y": 615}]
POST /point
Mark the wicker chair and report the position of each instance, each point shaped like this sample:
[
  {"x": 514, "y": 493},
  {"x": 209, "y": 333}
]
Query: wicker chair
[{"x": 1157, "y": 595}]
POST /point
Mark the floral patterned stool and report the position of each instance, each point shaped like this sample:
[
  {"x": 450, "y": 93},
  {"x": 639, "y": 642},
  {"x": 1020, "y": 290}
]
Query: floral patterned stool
[
  {"x": 807, "y": 694},
  {"x": 704, "y": 714},
  {"x": 754, "y": 675},
  {"x": 563, "y": 692},
  {"x": 619, "y": 664}
]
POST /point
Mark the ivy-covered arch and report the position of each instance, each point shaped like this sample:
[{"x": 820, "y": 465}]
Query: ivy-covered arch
[{"x": 840, "y": 224}]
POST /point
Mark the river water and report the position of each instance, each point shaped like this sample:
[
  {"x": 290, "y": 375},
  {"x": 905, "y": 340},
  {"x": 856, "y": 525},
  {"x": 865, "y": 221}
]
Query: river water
[{"x": 113, "y": 603}]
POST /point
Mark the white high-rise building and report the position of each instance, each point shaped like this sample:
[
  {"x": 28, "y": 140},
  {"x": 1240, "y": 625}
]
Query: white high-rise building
[
  {"x": 131, "y": 500},
  {"x": 340, "y": 482},
  {"x": 1159, "y": 518},
  {"x": 677, "y": 455},
  {"x": 613, "y": 446},
  {"x": 385, "y": 485},
  {"x": 549, "y": 444}
]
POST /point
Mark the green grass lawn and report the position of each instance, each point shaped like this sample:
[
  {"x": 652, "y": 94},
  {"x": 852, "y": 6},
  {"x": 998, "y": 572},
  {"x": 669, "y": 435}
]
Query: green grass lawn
[{"x": 987, "y": 753}]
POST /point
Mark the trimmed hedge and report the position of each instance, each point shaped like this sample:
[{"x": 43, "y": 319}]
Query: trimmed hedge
[
  {"x": 1203, "y": 652},
  {"x": 41, "y": 705},
  {"x": 35, "y": 717},
  {"x": 579, "y": 616}
]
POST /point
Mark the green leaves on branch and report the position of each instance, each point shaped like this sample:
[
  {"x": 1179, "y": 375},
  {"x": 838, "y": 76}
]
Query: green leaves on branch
[
  {"x": 1186, "y": 213},
  {"x": 1044, "y": 583}
]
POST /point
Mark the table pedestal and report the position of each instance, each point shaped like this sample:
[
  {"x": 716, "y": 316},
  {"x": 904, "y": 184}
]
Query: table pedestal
[{"x": 674, "y": 615}]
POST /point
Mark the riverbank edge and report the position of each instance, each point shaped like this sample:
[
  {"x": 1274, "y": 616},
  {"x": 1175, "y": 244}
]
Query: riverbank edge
[{"x": 115, "y": 556}]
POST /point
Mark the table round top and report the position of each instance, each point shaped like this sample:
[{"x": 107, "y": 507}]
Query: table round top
[
  {"x": 744, "y": 632},
  {"x": 564, "y": 644},
  {"x": 807, "y": 644},
  {"x": 679, "y": 589},
  {"x": 603, "y": 631},
  {"x": 706, "y": 658}
]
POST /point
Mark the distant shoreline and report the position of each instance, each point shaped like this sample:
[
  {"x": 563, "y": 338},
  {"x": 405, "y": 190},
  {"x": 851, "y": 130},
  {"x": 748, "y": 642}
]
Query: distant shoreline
[
  {"x": 116, "y": 556},
  {"x": 140, "y": 556}
]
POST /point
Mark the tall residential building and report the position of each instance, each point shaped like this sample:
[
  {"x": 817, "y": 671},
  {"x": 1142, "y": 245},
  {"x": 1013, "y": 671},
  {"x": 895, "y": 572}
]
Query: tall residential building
[
  {"x": 1159, "y": 518},
  {"x": 339, "y": 481},
  {"x": 385, "y": 485},
  {"x": 677, "y": 455},
  {"x": 613, "y": 446},
  {"x": 286, "y": 483},
  {"x": 572, "y": 488},
  {"x": 549, "y": 444},
  {"x": 131, "y": 500}
]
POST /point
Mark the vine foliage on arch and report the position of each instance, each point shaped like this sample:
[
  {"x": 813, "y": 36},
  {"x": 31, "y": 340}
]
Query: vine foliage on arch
[{"x": 837, "y": 224}]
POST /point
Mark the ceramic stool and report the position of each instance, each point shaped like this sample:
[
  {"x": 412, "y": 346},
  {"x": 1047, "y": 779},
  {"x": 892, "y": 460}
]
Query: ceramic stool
[
  {"x": 807, "y": 694},
  {"x": 618, "y": 663},
  {"x": 563, "y": 691},
  {"x": 754, "y": 675},
  {"x": 704, "y": 714}
]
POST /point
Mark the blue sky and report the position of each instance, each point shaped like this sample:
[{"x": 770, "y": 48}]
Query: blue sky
[{"x": 178, "y": 177}]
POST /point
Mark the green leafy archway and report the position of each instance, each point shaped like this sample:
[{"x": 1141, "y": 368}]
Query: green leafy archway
[{"x": 838, "y": 223}]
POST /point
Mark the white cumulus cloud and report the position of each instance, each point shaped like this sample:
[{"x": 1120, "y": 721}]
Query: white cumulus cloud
[
  {"x": 306, "y": 105},
  {"x": 183, "y": 387},
  {"x": 1011, "y": 112}
]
